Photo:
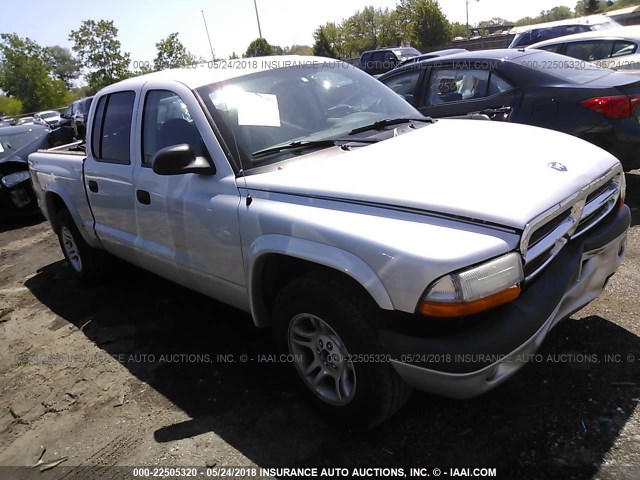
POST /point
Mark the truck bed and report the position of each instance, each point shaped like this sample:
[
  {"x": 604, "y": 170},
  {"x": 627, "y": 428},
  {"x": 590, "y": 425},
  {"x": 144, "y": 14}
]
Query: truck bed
[{"x": 58, "y": 172}]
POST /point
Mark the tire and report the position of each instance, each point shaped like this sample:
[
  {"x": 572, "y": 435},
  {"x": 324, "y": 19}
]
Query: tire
[
  {"x": 322, "y": 321},
  {"x": 86, "y": 263}
]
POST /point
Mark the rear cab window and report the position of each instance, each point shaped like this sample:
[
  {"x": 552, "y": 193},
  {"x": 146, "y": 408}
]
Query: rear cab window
[{"x": 111, "y": 137}]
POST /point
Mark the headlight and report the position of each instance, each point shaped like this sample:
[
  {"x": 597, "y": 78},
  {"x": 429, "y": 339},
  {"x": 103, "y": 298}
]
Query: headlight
[
  {"x": 14, "y": 179},
  {"x": 474, "y": 290}
]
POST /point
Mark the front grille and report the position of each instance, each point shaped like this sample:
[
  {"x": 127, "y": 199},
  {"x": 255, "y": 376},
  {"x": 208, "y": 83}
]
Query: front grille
[
  {"x": 598, "y": 205},
  {"x": 546, "y": 229},
  {"x": 545, "y": 236}
]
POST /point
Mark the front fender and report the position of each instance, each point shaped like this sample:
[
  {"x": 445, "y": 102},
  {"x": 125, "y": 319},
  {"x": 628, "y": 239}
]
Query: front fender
[{"x": 317, "y": 253}]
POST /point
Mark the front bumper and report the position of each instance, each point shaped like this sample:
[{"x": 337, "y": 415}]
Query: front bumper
[{"x": 481, "y": 352}]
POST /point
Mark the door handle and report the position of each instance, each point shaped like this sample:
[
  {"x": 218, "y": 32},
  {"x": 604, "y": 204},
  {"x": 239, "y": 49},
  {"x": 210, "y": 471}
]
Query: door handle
[
  {"x": 143, "y": 197},
  {"x": 495, "y": 111},
  {"x": 93, "y": 186}
]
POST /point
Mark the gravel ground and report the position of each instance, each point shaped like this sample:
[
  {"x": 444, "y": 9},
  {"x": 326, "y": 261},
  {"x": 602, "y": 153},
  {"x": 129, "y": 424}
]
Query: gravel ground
[{"x": 130, "y": 373}]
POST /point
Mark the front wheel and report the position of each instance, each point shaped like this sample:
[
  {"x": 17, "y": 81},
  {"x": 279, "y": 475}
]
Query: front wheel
[
  {"x": 87, "y": 263},
  {"x": 323, "y": 323}
]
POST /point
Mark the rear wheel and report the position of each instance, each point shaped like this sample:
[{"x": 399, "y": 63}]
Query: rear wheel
[
  {"x": 87, "y": 263},
  {"x": 323, "y": 323}
]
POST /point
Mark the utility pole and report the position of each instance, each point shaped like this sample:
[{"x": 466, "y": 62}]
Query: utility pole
[
  {"x": 469, "y": 29},
  {"x": 213, "y": 57},
  {"x": 258, "y": 18}
]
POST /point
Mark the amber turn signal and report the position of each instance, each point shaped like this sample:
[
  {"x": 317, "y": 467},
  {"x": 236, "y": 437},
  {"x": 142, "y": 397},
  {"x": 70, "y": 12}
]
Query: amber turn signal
[{"x": 460, "y": 309}]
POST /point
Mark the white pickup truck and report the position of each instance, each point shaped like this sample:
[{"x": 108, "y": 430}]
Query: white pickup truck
[{"x": 386, "y": 250}]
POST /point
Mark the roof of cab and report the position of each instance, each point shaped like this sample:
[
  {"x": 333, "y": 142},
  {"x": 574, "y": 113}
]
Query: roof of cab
[{"x": 212, "y": 72}]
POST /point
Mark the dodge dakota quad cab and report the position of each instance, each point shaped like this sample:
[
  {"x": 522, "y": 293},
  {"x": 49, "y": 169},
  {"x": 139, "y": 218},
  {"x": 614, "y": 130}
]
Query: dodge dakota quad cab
[{"x": 382, "y": 248}]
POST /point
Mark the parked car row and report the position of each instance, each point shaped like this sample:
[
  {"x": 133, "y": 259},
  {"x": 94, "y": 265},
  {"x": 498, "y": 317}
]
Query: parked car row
[{"x": 533, "y": 87}]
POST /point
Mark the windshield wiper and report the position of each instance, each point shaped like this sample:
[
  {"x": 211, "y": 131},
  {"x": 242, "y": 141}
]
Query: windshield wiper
[
  {"x": 303, "y": 144},
  {"x": 388, "y": 122}
]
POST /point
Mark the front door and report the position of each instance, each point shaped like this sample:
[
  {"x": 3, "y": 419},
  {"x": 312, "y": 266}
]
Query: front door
[{"x": 188, "y": 223}]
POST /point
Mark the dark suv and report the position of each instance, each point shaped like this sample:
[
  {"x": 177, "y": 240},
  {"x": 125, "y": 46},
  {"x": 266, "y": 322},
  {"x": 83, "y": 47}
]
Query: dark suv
[{"x": 376, "y": 62}]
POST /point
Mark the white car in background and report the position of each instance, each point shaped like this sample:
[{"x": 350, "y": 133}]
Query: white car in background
[
  {"x": 615, "y": 48},
  {"x": 47, "y": 118}
]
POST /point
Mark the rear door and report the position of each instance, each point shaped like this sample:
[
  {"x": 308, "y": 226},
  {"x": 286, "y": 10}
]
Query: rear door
[
  {"x": 108, "y": 173},
  {"x": 468, "y": 87}
]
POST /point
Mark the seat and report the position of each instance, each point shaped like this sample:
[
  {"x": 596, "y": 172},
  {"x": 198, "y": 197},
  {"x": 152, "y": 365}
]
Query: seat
[{"x": 176, "y": 131}]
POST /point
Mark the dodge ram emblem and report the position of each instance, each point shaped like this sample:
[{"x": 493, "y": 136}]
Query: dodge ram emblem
[{"x": 557, "y": 166}]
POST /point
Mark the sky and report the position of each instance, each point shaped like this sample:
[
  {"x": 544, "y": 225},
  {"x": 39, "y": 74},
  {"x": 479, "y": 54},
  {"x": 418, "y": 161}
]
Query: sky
[{"x": 232, "y": 23}]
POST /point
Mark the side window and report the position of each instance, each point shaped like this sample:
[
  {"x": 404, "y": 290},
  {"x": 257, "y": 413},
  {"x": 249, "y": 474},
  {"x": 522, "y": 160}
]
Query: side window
[
  {"x": 96, "y": 129},
  {"x": 377, "y": 57},
  {"x": 167, "y": 122},
  {"x": 498, "y": 84},
  {"x": 590, "y": 50},
  {"x": 551, "y": 48},
  {"x": 389, "y": 57},
  {"x": 404, "y": 84},
  {"x": 446, "y": 86},
  {"x": 623, "y": 47},
  {"x": 112, "y": 128}
]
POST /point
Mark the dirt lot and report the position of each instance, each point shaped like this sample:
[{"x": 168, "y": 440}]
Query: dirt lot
[{"x": 128, "y": 373}]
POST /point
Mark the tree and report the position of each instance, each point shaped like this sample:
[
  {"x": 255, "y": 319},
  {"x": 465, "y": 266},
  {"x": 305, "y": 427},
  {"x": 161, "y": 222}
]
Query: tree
[
  {"x": 324, "y": 46},
  {"x": 259, "y": 48},
  {"x": 234, "y": 56},
  {"x": 98, "y": 47},
  {"x": 298, "y": 50},
  {"x": 25, "y": 74},
  {"x": 559, "y": 13},
  {"x": 63, "y": 65},
  {"x": 391, "y": 28},
  {"x": 460, "y": 30},
  {"x": 10, "y": 105},
  {"x": 172, "y": 54},
  {"x": 588, "y": 7},
  {"x": 426, "y": 24}
]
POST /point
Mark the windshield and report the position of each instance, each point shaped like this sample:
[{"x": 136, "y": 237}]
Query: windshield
[
  {"x": 406, "y": 52},
  {"x": 12, "y": 142},
  {"x": 49, "y": 115},
  {"x": 300, "y": 103}
]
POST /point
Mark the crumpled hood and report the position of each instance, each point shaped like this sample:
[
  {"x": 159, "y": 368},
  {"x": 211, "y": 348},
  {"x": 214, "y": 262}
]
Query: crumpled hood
[{"x": 489, "y": 171}]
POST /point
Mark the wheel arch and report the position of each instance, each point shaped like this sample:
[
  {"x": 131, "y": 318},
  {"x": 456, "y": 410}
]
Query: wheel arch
[
  {"x": 54, "y": 202},
  {"x": 276, "y": 260}
]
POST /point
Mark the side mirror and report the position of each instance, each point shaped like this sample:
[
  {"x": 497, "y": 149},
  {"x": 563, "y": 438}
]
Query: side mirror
[{"x": 180, "y": 159}]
